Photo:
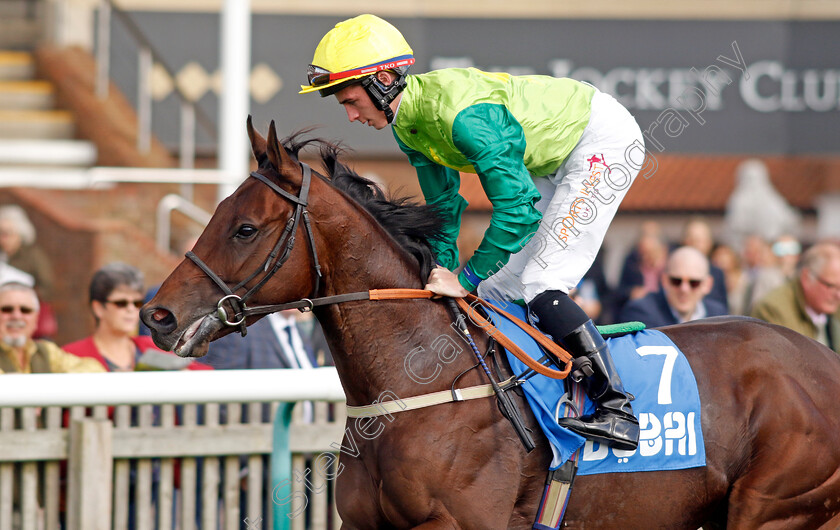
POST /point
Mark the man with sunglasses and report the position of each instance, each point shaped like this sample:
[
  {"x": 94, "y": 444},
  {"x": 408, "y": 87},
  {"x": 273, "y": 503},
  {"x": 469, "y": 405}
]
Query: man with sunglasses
[
  {"x": 19, "y": 353},
  {"x": 554, "y": 156},
  {"x": 809, "y": 303},
  {"x": 685, "y": 282}
]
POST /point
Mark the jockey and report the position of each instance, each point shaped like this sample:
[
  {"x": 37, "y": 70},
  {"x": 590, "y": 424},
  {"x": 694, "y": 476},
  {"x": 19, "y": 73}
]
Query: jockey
[{"x": 555, "y": 158}]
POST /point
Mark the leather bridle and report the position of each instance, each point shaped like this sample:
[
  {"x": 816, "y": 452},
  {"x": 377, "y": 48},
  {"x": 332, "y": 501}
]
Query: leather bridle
[{"x": 272, "y": 263}]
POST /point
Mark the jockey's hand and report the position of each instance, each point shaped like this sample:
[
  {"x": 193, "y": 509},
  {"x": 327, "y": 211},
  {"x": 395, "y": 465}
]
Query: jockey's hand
[{"x": 443, "y": 282}]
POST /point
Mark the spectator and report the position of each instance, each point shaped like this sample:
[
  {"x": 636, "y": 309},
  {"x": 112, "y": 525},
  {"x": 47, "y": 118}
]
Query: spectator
[
  {"x": 787, "y": 251},
  {"x": 729, "y": 261},
  {"x": 276, "y": 341},
  {"x": 116, "y": 295},
  {"x": 312, "y": 331},
  {"x": 698, "y": 234},
  {"x": 762, "y": 269},
  {"x": 586, "y": 296},
  {"x": 810, "y": 302},
  {"x": 17, "y": 244},
  {"x": 643, "y": 266},
  {"x": 9, "y": 274},
  {"x": 685, "y": 283},
  {"x": 19, "y": 353},
  {"x": 757, "y": 253}
]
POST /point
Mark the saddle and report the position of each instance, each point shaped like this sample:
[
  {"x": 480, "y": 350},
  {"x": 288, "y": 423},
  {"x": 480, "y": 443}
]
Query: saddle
[{"x": 667, "y": 404}]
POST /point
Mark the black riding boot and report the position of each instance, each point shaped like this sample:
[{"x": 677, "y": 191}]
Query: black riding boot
[{"x": 613, "y": 422}]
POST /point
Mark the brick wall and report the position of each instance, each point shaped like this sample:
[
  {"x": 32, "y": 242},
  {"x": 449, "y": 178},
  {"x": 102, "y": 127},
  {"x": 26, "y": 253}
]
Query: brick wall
[{"x": 78, "y": 242}]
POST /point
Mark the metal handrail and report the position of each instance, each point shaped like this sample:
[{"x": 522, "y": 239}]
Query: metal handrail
[{"x": 165, "y": 207}]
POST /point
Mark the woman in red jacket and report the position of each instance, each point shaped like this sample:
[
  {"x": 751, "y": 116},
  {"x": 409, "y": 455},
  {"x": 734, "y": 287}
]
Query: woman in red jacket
[{"x": 116, "y": 295}]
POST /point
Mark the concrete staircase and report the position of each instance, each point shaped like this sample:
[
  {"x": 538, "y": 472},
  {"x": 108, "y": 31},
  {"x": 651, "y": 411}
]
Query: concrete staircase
[
  {"x": 33, "y": 133},
  {"x": 47, "y": 103}
]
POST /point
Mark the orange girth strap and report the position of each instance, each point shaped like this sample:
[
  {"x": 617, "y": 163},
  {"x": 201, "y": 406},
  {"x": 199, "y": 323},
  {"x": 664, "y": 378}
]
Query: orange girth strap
[{"x": 545, "y": 342}]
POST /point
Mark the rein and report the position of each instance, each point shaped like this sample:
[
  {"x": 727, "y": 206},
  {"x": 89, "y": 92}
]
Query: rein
[
  {"x": 273, "y": 263},
  {"x": 307, "y": 304},
  {"x": 276, "y": 259}
]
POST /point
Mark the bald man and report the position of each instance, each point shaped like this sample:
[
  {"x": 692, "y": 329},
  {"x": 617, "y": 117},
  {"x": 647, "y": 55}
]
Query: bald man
[
  {"x": 685, "y": 282},
  {"x": 810, "y": 301}
]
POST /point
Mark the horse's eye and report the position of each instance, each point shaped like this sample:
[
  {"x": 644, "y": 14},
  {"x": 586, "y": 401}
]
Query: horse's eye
[{"x": 245, "y": 231}]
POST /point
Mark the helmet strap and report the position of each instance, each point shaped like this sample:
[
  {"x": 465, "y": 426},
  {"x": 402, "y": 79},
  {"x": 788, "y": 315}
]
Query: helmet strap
[{"x": 382, "y": 95}]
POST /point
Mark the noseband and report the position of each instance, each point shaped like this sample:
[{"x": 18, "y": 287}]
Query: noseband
[{"x": 273, "y": 262}]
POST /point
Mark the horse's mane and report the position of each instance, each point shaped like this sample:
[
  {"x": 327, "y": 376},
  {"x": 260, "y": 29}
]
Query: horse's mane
[{"x": 413, "y": 225}]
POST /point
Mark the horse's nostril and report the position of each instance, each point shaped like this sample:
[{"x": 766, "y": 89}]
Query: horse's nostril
[
  {"x": 159, "y": 319},
  {"x": 160, "y": 314}
]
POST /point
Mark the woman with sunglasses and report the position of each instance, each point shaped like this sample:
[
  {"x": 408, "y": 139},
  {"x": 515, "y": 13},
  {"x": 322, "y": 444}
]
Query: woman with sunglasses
[
  {"x": 116, "y": 296},
  {"x": 554, "y": 156}
]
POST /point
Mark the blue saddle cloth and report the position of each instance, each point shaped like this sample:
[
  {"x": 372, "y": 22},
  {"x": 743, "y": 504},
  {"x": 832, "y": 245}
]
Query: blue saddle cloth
[{"x": 667, "y": 403}]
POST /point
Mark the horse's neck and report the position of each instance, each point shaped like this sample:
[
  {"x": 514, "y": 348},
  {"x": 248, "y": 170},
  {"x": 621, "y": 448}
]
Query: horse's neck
[
  {"x": 370, "y": 340},
  {"x": 401, "y": 347}
]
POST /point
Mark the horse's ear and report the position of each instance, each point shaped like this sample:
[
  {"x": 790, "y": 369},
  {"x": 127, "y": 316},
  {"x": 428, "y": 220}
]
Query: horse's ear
[
  {"x": 257, "y": 142},
  {"x": 277, "y": 153}
]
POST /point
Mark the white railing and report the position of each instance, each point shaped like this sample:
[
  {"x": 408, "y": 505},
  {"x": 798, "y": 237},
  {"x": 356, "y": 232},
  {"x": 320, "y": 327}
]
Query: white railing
[
  {"x": 168, "y": 449},
  {"x": 100, "y": 177},
  {"x": 103, "y": 177},
  {"x": 153, "y": 388}
]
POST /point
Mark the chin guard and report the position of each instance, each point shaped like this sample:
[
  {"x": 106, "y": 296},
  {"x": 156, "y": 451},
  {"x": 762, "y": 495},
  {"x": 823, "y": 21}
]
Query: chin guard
[{"x": 383, "y": 95}]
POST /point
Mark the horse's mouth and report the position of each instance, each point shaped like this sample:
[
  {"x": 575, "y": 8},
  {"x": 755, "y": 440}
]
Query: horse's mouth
[{"x": 195, "y": 341}]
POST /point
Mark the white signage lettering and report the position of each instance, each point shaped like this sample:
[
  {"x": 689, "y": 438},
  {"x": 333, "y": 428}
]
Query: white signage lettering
[{"x": 769, "y": 87}]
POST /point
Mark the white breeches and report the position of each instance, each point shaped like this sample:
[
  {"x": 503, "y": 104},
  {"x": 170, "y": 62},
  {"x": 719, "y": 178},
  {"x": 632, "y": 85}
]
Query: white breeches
[{"x": 578, "y": 203}]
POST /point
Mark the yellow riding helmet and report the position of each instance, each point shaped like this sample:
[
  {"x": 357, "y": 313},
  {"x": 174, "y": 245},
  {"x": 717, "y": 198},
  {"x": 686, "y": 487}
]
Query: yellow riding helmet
[{"x": 356, "y": 48}]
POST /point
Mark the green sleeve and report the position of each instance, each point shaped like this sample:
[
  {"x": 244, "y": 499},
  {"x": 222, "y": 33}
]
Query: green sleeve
[
  {"x": 494, "y": 143},
  {"x": 440, "y": 187}
]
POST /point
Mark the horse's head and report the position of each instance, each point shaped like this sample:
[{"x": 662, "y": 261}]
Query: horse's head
[
  {"x": 256, "y": 249},
  {"x": 285, "y": 235}
]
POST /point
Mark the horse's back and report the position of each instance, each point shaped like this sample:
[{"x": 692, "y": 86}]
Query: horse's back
[
  {"x": 757, "y": 360},
  {"x": 770, "y": 418}
]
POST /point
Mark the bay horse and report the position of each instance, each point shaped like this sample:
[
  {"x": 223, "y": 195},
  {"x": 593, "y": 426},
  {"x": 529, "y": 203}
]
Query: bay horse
[{"x": 770, "y": 410}]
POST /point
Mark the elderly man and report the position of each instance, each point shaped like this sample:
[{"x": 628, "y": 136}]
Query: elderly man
[
  {"x": 18, "y": 352},
  {"x": 810, "y": 301},
  {"x": 685, "y": 283}
]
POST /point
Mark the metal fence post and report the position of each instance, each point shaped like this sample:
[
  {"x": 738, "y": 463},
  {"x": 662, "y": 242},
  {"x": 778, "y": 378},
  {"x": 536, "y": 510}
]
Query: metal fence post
[
  {"x": 281, "y": 470},
  {"x": 144, "y": 99},
  {"x": 103, "y": 49}
]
